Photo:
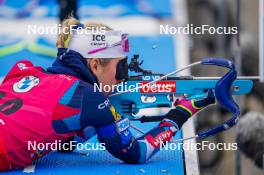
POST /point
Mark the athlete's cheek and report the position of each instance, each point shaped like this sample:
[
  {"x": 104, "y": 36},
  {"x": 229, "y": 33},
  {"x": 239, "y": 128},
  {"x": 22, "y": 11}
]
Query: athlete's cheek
[
  {"x": 108, "y": 77},
  {"x": 111, "y": 73}
]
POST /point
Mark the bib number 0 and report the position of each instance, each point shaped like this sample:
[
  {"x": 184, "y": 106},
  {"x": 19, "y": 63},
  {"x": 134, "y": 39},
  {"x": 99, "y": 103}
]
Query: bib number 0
[{"x": 11, "y": 106}]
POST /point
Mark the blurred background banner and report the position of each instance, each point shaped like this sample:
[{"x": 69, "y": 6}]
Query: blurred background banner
[{"x": 86, "y": 9}]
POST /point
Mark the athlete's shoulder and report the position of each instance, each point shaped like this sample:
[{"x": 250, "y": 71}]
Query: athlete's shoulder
[
  {"x": 19, "y": 68},
  {"x": 21, "y": 65}
]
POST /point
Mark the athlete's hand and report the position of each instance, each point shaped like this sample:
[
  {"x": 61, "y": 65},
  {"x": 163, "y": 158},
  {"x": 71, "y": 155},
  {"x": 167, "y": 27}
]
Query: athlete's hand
[
  {"x": 184, "y": 108},
  {"x": 193, "y": 106}
]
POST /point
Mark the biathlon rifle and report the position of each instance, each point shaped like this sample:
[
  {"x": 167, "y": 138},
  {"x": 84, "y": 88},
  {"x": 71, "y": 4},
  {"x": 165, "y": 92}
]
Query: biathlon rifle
[{"x": 152, "y": 91}]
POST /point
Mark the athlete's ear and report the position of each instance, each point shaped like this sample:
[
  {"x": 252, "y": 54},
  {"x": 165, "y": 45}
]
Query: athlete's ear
[{"x": 95, "y": 66}]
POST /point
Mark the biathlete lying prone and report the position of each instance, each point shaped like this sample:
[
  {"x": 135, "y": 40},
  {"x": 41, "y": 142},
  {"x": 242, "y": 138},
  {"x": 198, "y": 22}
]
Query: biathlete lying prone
[{"x": 60, "y": 102}]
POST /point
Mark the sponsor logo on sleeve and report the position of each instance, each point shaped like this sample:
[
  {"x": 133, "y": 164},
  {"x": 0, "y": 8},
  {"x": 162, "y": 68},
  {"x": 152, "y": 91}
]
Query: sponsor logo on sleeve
[
  {"x": 159, "y": 139},
  {"x": 105, "y": 104},
  {"x": 123, "y": 125}
]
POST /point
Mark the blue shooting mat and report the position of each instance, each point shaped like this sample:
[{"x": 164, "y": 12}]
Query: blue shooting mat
[
  {"x": 87, "y": 9},
  {"x": 158, "y": 55}
]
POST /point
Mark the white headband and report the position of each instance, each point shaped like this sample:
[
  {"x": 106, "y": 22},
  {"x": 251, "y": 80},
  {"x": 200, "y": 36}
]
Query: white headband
[{"x": 107, "y": 44}]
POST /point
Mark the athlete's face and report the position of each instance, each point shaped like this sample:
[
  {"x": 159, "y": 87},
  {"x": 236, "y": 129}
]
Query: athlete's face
[{"x": 105, "y": 73}]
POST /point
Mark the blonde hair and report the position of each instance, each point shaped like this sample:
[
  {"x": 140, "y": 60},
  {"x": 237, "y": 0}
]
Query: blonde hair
[{"x": 64, "y": 37}]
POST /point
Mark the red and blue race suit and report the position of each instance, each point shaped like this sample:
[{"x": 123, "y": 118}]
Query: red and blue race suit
[{"x": 43, "y": 106}]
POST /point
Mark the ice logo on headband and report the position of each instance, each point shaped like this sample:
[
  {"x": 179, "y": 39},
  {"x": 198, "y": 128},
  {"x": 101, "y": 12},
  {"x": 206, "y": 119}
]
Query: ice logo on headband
[
  {"x": 98, "y": 37},
  {"x": 112, "y": 44},
  {"x": 98, "y": 40},
  {"x": 123, "y": 43}
]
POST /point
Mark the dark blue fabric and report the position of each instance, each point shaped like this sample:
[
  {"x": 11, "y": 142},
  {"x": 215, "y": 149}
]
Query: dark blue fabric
[
  {"x": 107, "y": 131},
  {"x": 72, "y": 63}
]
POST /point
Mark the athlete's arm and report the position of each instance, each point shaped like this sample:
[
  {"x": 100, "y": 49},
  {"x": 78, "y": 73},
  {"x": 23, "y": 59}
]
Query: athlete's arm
[{"x": 113, "y": 130}]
